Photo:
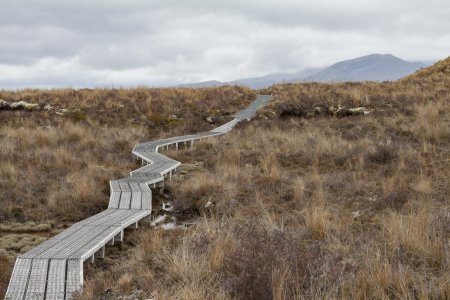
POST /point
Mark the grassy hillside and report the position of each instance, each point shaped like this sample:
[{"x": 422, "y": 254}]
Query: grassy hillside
[
  {"x": 310, "y": 200},
  {"x": 58, "y": 157},
  {"x": 333, "y": 191},
  {"x": 438, "y": 73}
]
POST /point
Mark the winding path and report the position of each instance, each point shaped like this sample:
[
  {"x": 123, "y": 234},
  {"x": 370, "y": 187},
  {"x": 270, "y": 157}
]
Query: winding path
[{"x": 54, "y": 269}]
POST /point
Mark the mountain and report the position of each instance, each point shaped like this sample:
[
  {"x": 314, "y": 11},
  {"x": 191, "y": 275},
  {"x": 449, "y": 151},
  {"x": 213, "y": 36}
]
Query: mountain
[
  {"x": 257, "y": 82},
  {"x": 269, "y": 79},
  {"x": 210, "y": 83},
  {"x": 374, "y": 67}
]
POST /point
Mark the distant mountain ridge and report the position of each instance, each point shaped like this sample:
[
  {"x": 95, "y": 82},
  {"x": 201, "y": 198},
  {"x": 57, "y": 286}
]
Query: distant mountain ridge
[
  {"x": 373, "y": 67},
  {"x": 209, "y": 83},
  {"x": 269, "y": 79}
]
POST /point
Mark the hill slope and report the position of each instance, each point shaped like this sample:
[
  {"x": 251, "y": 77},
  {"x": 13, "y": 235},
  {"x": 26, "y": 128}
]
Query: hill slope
[
  {"x": 439, "y": 72},
  {"x": 203, "y": 84},
  {"x": 273, "y": 78},
  {"x": 302, "y": 202},
  {"x": 374, "y": 67}
]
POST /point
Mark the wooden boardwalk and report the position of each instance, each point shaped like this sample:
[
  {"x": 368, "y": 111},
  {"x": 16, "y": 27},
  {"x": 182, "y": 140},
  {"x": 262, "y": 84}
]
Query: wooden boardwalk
[{"x": 54, "y": 269}]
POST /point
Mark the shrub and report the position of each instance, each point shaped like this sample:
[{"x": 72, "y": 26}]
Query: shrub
[
  {"x": 259, "y": 255},
  {"x": 383, "y": 154},
  {"x": 394, "y": 200},
  {"x": 77, "y": 116}
]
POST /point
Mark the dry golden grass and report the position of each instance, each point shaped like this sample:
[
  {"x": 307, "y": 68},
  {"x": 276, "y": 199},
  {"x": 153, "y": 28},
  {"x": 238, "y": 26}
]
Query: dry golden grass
[
  {"x": 292, "y": 205},
  {"x": 57, "y": 167},
  {"x": 418, "y": 236},
  {"x": 169, "y": 260},
  {"x": 67, "y": 163},
  {"x": 15, "y": 243},
  {"x": 150, "y": 107},
  {"x": 302, "y": 209},
  {"x": 318, "y": 221},
  {"x": 315, "y": 207},
  {"x": 26, "y": 227}
]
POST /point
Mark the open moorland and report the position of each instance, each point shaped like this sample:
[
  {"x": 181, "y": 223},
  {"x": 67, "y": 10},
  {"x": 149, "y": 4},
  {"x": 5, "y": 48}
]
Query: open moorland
[
  {"x": 59, "y": 155},
  {"x": 332, "y": 191}
]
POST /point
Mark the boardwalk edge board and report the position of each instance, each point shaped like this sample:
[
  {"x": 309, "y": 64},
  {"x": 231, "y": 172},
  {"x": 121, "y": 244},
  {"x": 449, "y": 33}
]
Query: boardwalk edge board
[{"x": 54, "y": 269}]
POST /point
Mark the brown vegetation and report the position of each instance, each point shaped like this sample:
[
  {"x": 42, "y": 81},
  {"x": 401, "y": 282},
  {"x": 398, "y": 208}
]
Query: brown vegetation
[
  {"x": 57, "y": 161},
  {"x": 298, "y": 205},
  {"x": 312, "y": 205},
  {"x": 65, "y": 161}
]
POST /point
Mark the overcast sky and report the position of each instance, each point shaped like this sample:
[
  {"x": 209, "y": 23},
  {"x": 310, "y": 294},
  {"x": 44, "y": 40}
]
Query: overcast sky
[{"x": 81, "y": 43}]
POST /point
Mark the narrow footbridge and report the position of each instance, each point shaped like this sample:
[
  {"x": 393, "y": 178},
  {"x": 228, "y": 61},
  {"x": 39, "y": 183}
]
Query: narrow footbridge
[{"x": 54, "y": 269}]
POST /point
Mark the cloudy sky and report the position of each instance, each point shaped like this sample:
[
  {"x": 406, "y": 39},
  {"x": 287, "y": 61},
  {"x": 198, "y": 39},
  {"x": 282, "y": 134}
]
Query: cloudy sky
[{"x": 81, "y": 43}]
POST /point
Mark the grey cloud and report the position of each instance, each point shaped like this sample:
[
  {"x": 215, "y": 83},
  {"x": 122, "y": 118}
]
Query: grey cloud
[{"x": 128, "y": 42}]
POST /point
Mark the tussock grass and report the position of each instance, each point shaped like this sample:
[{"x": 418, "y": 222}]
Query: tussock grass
[
  {"x": 422, "y": 241},
  {"x": 67, "y": 163},
  {"x": 308, "y": 208},
  {"x": 56, "y": 163},
  {"x": 301, "y": 206},
  {"x": 14, "y": 243},
  {"x": 317, "y": 207},
  {"x": 26, "y": 227}
]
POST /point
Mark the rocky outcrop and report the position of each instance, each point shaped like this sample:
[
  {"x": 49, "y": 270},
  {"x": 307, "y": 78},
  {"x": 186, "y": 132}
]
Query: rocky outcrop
[
  {"x": 20, "y": 105},
  {"x": 299, "y": 110}
]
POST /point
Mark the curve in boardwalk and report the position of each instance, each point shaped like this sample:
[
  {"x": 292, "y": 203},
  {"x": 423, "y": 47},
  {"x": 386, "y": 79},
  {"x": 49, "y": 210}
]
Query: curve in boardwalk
[{"x": 54, "y": 269}]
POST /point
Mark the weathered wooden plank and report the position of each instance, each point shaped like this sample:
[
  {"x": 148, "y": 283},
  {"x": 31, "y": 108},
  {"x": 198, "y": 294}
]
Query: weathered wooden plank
[
  {"x": 38, "y": 280},
  {"x": 74, "y": 276},
  {"x": 113, "y": 217},
  {"x": 56, "y": 279},
  {"x": 67, "y": 249},
  {"x": 122, "y": 216},
  {"x": 135, "y": 217},
  {"x": 114, "y": 200},
  {"x": 125, "y": 198},
  {"x": 19, "y": 279},
  {"x": 116, "y": 192},
  {"x": 109, "y": 220},
  {"x": 147, "y": 200},
  {"x": 51, "y": 243},
  {"x": 66, "y": 244},
  {"x": 98, "y": 218},
  {"x": 91, "y": 246},
  {"x": 146, "y": 196},
  {"x": 136, "y": 196}
]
